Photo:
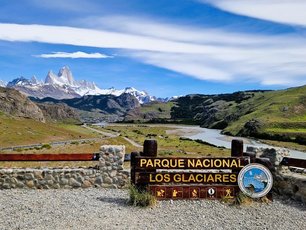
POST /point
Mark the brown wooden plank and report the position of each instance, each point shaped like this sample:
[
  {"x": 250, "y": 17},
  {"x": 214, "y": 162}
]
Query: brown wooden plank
[
  {"x": 50, "y": 157},
  {"x": 193, "y": 192},
  {"x": 144, "y": 163},
  {"x": 186, "y": 178},
  {"x": 294, "y": 162}
]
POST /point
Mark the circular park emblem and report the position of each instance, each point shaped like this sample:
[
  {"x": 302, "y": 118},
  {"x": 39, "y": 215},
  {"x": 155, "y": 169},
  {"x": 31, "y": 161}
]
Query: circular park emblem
[{"x": 255, "y": 180}]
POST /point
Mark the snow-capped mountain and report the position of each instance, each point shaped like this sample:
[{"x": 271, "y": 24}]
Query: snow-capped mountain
[
  {"x": 63, "y": 86},
  {"x": 3, "y": 84}
]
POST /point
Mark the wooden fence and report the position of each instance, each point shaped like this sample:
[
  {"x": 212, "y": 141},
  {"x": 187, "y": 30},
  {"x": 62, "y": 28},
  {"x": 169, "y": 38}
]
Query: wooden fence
[{"x": 50, "y": 157}]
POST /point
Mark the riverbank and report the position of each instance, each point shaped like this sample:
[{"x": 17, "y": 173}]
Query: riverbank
[{"x": 108, "y": 209}]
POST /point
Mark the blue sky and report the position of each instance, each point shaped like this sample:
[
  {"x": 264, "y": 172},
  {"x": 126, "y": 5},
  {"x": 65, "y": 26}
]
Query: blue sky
[{"x": 166, "y": 47}]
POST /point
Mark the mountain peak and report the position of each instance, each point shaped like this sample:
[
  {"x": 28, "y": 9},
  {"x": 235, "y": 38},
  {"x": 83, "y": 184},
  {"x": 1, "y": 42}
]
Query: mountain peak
[
  {"x": 50, "y": 78},
  {"x": 34, "y": 80},
  {"x": 3, "y": 83},
  {"x": 66, "y": 74},
  {"x": 19, "y": 82},
  {"x": 63, "y": 85}
]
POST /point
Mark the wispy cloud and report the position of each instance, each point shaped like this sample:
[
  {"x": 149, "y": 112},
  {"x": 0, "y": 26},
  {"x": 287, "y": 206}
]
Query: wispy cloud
[
  {"x": 77, "y": 54},
  {"x": 281, "y": 11},
  {"x": 207, "y": 54}
]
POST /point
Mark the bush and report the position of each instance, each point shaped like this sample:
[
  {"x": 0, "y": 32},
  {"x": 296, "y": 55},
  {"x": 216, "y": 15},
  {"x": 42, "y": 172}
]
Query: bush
[
  {"x": 141, "y": 198},
  {"x": 46, "y": 146}
]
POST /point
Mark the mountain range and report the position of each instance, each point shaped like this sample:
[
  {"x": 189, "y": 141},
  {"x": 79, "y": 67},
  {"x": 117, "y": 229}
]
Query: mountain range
[{"x": 64, "y": 86}]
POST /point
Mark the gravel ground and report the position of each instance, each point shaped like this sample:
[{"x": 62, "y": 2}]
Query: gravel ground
[{"x": 107, "y": 209}]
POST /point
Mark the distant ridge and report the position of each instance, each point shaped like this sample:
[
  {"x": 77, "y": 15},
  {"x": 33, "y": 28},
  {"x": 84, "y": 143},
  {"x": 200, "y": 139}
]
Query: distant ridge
[{"x": 64, "y": 86}]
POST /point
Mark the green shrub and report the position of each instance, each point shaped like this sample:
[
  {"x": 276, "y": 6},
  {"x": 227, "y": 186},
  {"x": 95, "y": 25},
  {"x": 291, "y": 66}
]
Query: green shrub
[
  {"x": 74, "y": 143},
  {"x": 46, "y": 146},
  {"x": 141, "y": 198},
  {"x": 242, "y": 199}
]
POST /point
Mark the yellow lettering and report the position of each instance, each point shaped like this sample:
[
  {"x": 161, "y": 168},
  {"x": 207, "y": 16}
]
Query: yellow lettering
[
  {"x": 190, "y": 163},
  {"x": 183, "y": 178},
  {"x": 173, "y": 163},
  {"x": 191, "y": 178},
  {"x": 157, "y": 163},
  {"x": 233, "y": 178},
  {"x": 167, "y": 178},
  {"x": 165, "y": 163},
  {"x": 149, "y": 163},
  {"x": 225, "y": 178},
  {"x": 151, "y": 179},
  {"x": 181, "y": 163},
  {"x": 198, "y": 164},
  {"x": 142, "y": 162},
  {"x": 234, "y": 164},
  {"x": 177, "y": 178},
  {"x": 218, "y": 178},
  {"x": 210, "y": 178},
  {"x": 198, "y": 179},
  {"x": 204, "y": 163},
  {"x": 226, "y": 163},
  {"x": 159, "y": 178},
  {"x": 219, "y": 163}
]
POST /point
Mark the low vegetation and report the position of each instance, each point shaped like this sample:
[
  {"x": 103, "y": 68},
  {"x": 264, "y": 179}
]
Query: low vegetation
[
  {"x": 141, "y": 198},
  {"x": 168, "y": 144},
  {"x": 275, "y": 115},
  {"x": 23, "y": 131}
]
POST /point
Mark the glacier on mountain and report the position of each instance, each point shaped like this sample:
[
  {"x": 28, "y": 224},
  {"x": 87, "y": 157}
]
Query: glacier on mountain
[{"x": 63, "y": 85}]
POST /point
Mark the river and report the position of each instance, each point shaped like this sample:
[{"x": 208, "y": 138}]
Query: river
[{"x": 214, "y": 136}]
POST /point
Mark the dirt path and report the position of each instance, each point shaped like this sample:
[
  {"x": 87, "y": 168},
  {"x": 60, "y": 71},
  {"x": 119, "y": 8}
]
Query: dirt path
[{"x": 113, "y": 135}]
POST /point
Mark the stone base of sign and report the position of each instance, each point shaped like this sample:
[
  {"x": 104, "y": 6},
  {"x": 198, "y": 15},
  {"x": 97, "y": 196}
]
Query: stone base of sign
[
  {"x": 109, "y": 173},
  {"x": 287, "y": 181}
]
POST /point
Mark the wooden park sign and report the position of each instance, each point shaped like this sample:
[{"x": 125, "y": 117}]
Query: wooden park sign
[{"x": 186, "y": 178}]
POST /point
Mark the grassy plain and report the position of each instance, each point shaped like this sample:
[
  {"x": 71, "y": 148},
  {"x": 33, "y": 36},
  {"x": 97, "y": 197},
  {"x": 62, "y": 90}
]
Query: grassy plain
[
  {"x": 168, "y": 144},
  {"x": 21, "y": 131}
]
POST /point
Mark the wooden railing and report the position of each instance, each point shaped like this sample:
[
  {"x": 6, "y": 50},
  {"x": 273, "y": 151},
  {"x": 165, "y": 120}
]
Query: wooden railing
[
  {"x": 293, "y": 162},
  {"x": 50, "y": 157}
]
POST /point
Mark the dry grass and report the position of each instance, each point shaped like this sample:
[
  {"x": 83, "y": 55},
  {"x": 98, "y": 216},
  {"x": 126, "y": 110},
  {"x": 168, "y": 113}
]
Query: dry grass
[{"x": 21, "y": 131}]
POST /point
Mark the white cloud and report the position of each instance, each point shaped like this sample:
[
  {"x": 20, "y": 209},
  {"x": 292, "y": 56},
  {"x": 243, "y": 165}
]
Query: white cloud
[
  {"x": 281, "y": 11},
  {"x": 77, "y": 54},
  {"x": 206, "y": 54},
  {"x": 92, "y": 38}
]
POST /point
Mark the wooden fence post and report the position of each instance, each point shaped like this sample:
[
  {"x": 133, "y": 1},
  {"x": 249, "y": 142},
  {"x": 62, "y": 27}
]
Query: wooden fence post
[
  {"x": 149, "y": 150},
  {"x": 237, "y": 148},
  {"x": 133, "y": 167}
]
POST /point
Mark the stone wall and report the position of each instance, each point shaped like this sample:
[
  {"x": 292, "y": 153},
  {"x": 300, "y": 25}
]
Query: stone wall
[
  {"x": 287, "y": 181},
  {"x": 109, "y": 172}
]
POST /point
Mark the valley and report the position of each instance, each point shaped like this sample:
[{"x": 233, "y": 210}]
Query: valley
[{"x": 277, "y": 118}]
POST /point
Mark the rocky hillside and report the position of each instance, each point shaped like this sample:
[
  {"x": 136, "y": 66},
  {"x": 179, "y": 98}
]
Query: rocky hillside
[
  {"x": 16, "y": 104},
  {"x": 154, "y": 112},
  {"x": 99, "y": 107},
  {"x": 211, "y": 111},
  {"x": 279, "y": 115},
  {"x": 59, "y": 112}
]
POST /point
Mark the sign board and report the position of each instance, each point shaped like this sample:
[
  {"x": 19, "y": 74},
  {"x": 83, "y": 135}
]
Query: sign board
[
  {"x": 193, "y": 192},
  {"x": 188, "y": 178},
  {"x": 143, "y": 163},
  {"x": 198, "y": 178}
]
